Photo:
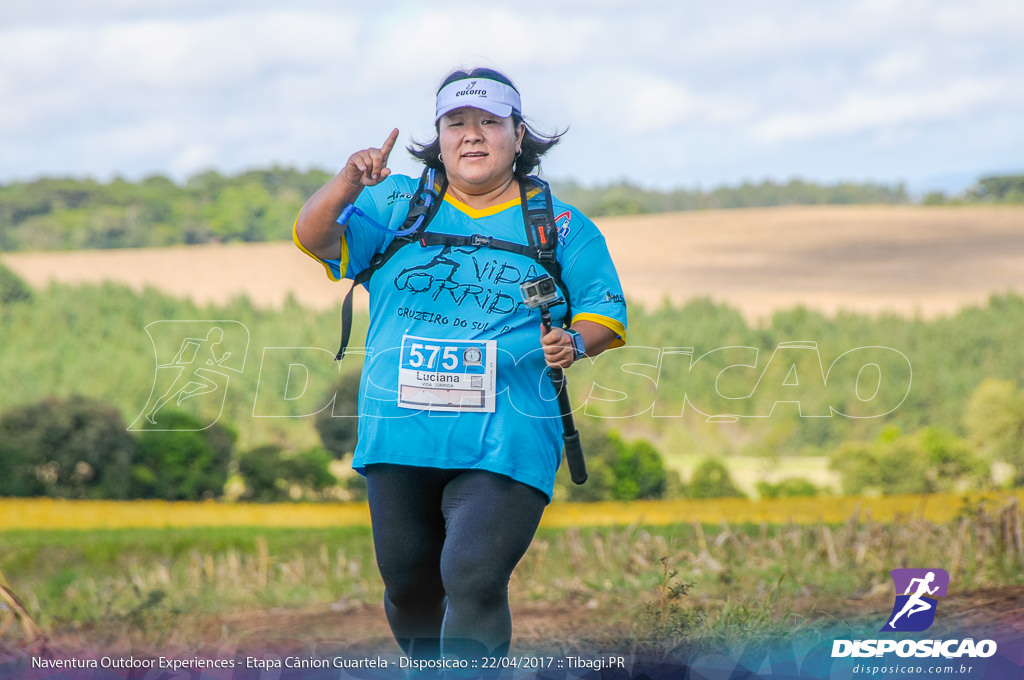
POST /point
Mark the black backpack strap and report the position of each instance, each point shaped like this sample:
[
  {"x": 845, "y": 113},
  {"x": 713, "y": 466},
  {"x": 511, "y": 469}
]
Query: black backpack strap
[
  {"x": 538, "y": 220},
  {"x": 476, "y": 241},
  {"x": 542, "y": 234},
  {"x": 424, "y": 204}
]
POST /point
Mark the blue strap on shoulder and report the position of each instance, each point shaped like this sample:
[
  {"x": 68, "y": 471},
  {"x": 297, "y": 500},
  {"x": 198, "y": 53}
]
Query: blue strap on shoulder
[{"x": 351, "y": 209}]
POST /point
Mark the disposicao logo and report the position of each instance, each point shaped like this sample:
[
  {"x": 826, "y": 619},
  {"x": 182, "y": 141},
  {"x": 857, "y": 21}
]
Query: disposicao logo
[{"x": 913, "y": 612}]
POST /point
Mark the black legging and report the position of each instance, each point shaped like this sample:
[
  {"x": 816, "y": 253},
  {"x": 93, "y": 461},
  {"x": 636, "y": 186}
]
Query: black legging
[{"x": 446, "y": 543}]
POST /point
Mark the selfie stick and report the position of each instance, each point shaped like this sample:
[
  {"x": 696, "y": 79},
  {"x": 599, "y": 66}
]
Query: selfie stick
[{"x": 571, "y": 437}]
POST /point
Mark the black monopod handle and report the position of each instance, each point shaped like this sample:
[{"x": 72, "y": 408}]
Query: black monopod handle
[{"x": 570, "y": 436}]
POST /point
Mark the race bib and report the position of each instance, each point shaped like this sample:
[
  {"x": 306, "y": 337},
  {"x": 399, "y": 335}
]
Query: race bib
[{"x": 447, "y": 375}]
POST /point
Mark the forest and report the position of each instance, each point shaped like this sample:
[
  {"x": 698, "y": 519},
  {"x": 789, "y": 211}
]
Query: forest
[
  {"x": 898, "y": 405},
  {"x": 66, "y": 213}
]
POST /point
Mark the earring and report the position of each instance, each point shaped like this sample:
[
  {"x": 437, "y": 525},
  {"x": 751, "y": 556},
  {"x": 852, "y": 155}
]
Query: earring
[
  {"x": 519, "y": 152},
  {"x": 439, "y": 159}
]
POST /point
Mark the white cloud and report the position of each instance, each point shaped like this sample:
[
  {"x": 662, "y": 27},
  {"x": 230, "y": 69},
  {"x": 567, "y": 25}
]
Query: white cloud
[
  {"x": 868, "y": 111},
  {"x": 657, "y": 91},
  {"x": 898, "y": 67},
  {"x": 653, "y": 104}
]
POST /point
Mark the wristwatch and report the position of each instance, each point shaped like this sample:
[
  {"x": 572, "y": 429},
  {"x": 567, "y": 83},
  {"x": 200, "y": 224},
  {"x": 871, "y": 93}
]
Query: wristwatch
[{"x": 579, "y": 349}]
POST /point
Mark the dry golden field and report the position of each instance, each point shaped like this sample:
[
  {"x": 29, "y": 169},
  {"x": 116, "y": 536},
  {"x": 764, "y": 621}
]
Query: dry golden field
[
  {"x": 902, "y": 259},
  {"x": 59, "y": 513}
]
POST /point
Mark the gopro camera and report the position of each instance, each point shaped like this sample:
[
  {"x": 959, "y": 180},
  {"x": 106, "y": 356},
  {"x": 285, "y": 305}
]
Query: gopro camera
[{"x": 539, "y": 292}]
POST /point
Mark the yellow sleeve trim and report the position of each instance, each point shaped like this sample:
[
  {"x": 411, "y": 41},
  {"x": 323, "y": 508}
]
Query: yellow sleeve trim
[
  {"x": 609, "y": 323},
  {"x": 343, "y": 264}
]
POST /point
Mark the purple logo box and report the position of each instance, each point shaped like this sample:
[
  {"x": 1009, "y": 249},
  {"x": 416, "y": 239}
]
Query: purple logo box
[{"x": 902, "y": 578}]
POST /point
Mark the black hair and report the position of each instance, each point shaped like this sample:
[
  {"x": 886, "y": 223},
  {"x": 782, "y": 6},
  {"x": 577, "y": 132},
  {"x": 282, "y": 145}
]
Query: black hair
[{"x": 534, "y": 143}]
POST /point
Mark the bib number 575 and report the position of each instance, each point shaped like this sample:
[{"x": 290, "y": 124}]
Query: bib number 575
[{"x": 426, "y": 356}]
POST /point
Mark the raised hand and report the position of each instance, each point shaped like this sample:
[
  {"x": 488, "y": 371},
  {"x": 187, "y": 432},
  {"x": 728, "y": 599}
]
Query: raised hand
[{"x": 370, "y": 166}]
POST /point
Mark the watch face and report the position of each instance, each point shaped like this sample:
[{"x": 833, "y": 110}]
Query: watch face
[{"x": 577, "y": 343}]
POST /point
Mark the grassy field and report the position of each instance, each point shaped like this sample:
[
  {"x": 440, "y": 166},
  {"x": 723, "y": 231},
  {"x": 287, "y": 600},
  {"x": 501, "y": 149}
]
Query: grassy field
[{"x": 645, "y": 584}]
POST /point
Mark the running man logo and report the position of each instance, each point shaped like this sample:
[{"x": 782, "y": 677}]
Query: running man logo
[
  {"x": 194, "y": 363},
  {"x": 914, "y": 610}
]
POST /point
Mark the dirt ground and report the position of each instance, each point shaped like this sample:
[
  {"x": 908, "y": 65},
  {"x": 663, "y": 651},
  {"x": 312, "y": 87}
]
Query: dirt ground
[
  {"x": 901, "y": 259},
  {"x": 572, "y": 625},
  {"x": 565, "y": 628}
]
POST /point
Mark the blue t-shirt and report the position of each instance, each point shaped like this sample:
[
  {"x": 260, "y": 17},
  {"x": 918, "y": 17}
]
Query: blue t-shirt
[{"x": 436, "y": 307}]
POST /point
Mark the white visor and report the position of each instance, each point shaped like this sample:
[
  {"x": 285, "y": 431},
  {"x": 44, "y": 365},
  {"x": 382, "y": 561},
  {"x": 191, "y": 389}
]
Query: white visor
[{"x": 481, "y": 93}]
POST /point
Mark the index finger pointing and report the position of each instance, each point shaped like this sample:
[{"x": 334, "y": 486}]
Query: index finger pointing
[{"x": 389, "y": 144}]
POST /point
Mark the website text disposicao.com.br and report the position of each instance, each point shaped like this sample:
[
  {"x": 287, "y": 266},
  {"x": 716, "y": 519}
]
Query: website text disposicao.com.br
[
  {"x": 901, "y": 670},
  {"x": 909, "y": 651}
]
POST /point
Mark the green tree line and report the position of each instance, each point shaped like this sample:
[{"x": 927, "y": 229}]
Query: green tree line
[
  {"x": 92, "y": 340},
  {"x": 992, "y": 189},
  {"x": 69, "y": 213},
  {"x": 723, "y": 388},
  {"x": 625, "y": 198},
  {"x": 64, "y": 214},
  {"x": 80, "y": 447}
]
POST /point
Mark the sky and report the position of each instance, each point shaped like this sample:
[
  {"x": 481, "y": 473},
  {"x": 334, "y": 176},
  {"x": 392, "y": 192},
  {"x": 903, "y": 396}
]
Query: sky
[{"x": 660, "y": 93}]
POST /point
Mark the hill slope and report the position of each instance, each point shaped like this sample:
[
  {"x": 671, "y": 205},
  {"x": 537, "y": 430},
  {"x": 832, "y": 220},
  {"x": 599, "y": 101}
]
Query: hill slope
[{"x": 900, "y": 259}]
